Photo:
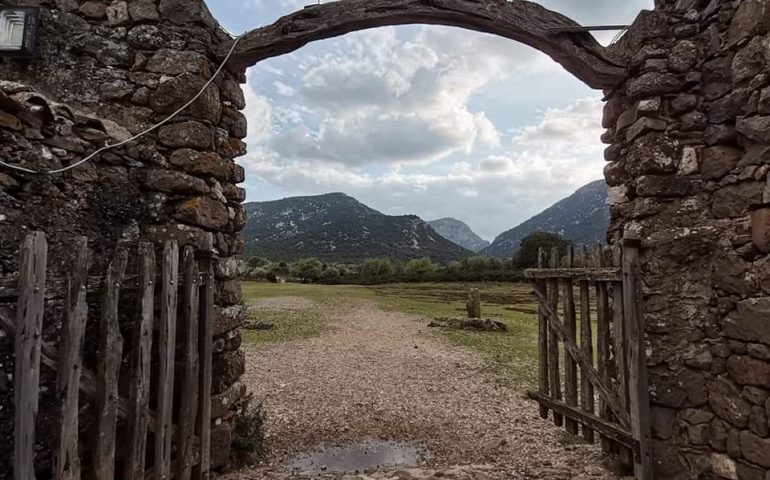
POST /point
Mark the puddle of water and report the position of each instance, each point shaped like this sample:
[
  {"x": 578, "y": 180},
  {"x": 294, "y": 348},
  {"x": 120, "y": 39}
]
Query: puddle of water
[{"x": 359, "y": 457}]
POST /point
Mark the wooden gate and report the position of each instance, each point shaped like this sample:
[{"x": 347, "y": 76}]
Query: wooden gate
[
  {"x": 178, "y": 304},
  {"x": 605, "y": 392}
]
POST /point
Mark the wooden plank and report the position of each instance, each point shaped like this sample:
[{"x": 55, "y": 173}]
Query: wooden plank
[
  {"x": 166, "y": 355},
  {"x": 608, "y": 429},
  {"x": 139, "y": 383},
  {"x": 108, "y": 369},
  {"x": 29, "y": 318},
  {"x": 570, "y": 366},
  {"x": 205, "y": 339},
  {"x": 603, "y": 348},
  {"x": 576, "y": 274},
  {"x": 559, "y": 330},
  {"x": 637, "y": 360},
  {"x": 587, "y": 344},
  {"x": 554, "y": 376},
  {"x": 188, "y": 409},
  {"x": 66, "y": 457},
  {"x": 9, "y": 287},
  {"x": 542, "y": 340}
]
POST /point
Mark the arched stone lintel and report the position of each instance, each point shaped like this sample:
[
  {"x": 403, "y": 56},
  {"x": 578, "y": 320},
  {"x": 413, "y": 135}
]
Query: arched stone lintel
[{"x": 526, "y": 22}]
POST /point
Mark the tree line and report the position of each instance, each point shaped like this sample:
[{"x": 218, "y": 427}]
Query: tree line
[{"x": 387, "y": 270}]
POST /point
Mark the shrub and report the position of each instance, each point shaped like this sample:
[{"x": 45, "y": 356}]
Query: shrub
[{"x": 248, "y": 435}]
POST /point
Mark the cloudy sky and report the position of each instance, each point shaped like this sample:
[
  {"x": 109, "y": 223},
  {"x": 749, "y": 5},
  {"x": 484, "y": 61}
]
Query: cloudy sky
[{"x": 429, "y": 120}]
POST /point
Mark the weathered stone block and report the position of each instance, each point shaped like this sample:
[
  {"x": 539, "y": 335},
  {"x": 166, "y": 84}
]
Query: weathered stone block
[
  {"x": 176, "y": 92},
  {"x": 718, "y": 161},
  {"x": 726, "y": 402},
  {"x": 653, "y": 153},
  {"x": 750, "y": 60},
  {"x": 229, "y": 318},
  {"x": 755, "y": 449},
  {"x": 736, "y": 200},
  {"x": 143, "y": 11},
  {"x": 189, "y": 134},
  {"x": 203, "y": 164},
  {"x": 175, "y": 62},
  {"x": 754, "y": 395},
  {"x": 229, "y": 292},
  {"x": 226, "y": 370},
  {"x": 755, "y": 128},
  {"x": 203, "y": 212},
  {"x": 750, "y": 321},
  {"x": 683, "y": 56},
  {"x": 653, "y": 84},
  {"x": 747, "y": 370},
  {"x": 751, "y": 18},
  {"x": 171, "y": 181},
  {"x": 663, "y": 186},
  {"x": 221, "y": 403},
  {"x": 758, "y": 422},
  {"x": 221, "y": 439},
  {"x": 183, "y": 234},
  {"x": 759, "y": 351},
  {"x": 760, "y": 229},
  {"x": 747, "y": 471},
  {"x": 724, "y": 466},
  {"x": 643, "y": 126},
  {"x": 718, "y": 435}
]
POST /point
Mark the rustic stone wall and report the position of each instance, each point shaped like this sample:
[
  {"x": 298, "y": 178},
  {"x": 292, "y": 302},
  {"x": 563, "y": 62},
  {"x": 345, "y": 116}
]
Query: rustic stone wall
[
  {"x": 107, "y": 70},
  {"x": 688, "y": 162}
]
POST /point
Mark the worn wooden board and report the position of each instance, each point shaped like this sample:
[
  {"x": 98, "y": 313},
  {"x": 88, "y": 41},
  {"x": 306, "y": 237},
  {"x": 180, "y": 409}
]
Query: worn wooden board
[
  {"x": 576, "y": 274},
  {"x": 166, "y": 355},
  {"x": 205, "y": 348},
  {"x": 570, "y": 366},
  {"x": 554, "y": 374},
  {"x": 66, "y": 457},
  {"x": 139, "y": 383},
  {"x": 26, "y": 379},
  {"x": 189, "y": 331},
  {"x": 542, "y": 340},
  {"x": 637, "y": 360}
]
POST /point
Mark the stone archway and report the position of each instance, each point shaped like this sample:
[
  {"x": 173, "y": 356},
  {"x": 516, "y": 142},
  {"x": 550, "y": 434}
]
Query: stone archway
[{"x": 523, "y": 21}]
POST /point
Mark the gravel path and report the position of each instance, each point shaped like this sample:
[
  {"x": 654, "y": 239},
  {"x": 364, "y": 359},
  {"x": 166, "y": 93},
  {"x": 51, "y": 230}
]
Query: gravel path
[{"x": 384, "y": 375}]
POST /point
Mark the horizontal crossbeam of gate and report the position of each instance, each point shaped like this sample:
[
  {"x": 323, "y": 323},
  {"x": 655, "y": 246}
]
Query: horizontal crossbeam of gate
[
  {"x": 608, "y": 429},
  {"x": 576, "y": 274},
  {"x": 593, "y": 376}
]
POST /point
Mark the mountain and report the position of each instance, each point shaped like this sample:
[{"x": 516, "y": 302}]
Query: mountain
[
  {"x": 458, "y": 232},
  {"x": 337, "y": 227},
  {"x": 582, "y": 217}
]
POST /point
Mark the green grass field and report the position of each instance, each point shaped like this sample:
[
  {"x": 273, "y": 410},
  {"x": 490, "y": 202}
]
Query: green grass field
[{"x": 511, "y": 355}]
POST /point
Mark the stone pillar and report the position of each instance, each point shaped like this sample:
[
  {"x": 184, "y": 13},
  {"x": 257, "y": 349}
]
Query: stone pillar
[
  {"x": 107, "y": 70},
  {"x": 688, "y": 162}
]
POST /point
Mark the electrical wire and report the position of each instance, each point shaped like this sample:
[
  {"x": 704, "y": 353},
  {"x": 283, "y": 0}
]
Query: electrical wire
[{"x": 139, "y": 135}]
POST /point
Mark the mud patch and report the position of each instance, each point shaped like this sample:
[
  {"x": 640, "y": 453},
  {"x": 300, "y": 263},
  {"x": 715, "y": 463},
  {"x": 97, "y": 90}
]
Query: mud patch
[{"x": 356, "y": 458}]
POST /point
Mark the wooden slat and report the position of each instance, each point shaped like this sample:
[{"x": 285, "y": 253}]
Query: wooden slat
[
  {"x": 570, "y": 366},
  {"x": 542, "y": 340},
  {"x": 603, "y": 348},
  {"x": 205, "y": 339},
  {"x": 558, "y": 328},
  {"x": 34, "y": 252},
  {"x": 108, "y": 370},
  {"x": 554, "y": 375},
  {"x": 139, "y": 384},
  {"x": 637, "y": 360},
  {"x": 188, "y": 409},
  {"x": 9, "y": 287},
  {"x": 576, "y": 274},
  {"x": 166, "y": 354},
  {"x": 66, "y": 457},
  {"x": 608, "y": 429},
  {"x": 587, "y": 344}
]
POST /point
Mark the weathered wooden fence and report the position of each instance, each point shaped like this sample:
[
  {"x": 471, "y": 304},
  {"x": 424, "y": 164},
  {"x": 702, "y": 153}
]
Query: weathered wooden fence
[
  {"x": 178, "y": 303},
  {"x": 608, "y": 365}
]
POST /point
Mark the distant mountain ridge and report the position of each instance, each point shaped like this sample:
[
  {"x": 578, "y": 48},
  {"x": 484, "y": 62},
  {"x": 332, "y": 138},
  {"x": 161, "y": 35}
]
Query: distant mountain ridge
[
  {"x": 337, "y": 227},
  {"x": 460, "y": 233},
  {"x": 583, "y": 217}
]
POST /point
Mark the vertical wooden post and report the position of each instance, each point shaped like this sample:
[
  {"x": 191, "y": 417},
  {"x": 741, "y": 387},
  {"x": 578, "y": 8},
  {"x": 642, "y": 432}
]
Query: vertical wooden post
[
  {"x": 189, "y": 397},
  {"x": 637, "y": 359},
  {"x": 166, "y": 353},
  {"x": 570, "y": 366},
  {"x": 587, "y": 344},
  {"x": 205, "y": 339},
  {"x": 474, "y": 303},
  {"x": 542, "y": 339},
  {"x": 29, "y": 321},
  {"x": 603, "y": 345},
  {"x": 140, "y": 365},
  {"x": 108, "y": 370},
  {"x": 554, "y": 376},
  {"x": 66, "y": 457}
]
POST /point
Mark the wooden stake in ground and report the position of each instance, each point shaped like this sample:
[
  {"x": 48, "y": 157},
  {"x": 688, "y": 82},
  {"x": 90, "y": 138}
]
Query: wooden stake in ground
[{"x": 474, "y": 303}]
